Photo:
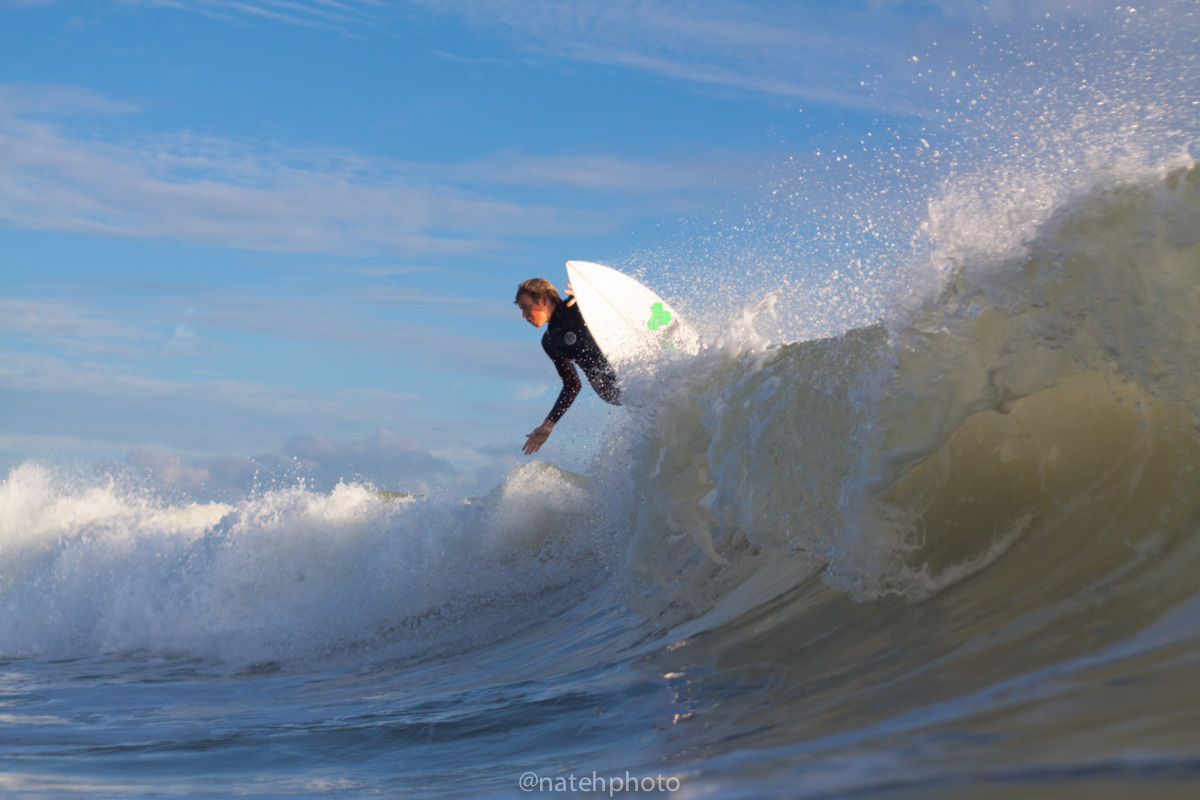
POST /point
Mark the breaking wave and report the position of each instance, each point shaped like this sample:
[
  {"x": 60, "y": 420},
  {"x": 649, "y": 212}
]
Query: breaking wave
[{"x": 1031, "y": 423}]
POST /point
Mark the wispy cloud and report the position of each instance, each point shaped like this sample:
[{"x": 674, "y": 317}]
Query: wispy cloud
[
  {"x": 308, "y": 13},
  {"x": 251, "y": 200},
  {"x": 52, "y": 396},
  {"x": 175, "y": 321},
  {"x": 68, "y": 328},
  {"x": 385, "y": 459},
  {"x": 786, "y": 50},
  {"x": 339, "y": 319},
  {"x": 856, "y": 54},
  {"x": 605, "y": 172},
  {"x": 267, "y": 196},
  {"x": 37, "y": 99},
  {"x": 232, "y": 429},
  {"x": 60, "y": 321},
  {"x": 859, "y": 54}
]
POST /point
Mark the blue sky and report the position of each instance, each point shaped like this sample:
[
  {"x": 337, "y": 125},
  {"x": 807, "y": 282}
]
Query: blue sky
[{"x": 292, "y": 228}]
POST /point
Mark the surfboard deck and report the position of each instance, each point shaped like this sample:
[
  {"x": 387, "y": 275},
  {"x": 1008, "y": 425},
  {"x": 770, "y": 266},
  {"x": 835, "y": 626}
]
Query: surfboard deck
[{"x": 628, "y": 320}]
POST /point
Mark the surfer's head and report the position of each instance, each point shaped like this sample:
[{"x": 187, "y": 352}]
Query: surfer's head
[{"x": 537, "y": 299}]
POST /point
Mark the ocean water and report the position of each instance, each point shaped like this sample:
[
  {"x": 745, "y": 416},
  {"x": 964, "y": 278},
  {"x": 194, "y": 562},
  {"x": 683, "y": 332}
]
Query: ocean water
[{"x": 953, "y": 550}]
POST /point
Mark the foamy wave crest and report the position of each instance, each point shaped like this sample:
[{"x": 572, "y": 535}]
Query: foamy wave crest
[{"x": 290, "y": 575}]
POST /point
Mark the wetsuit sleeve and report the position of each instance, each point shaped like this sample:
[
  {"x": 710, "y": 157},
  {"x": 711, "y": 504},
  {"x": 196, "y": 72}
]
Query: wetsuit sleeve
[{"x": 570, "y": 388}]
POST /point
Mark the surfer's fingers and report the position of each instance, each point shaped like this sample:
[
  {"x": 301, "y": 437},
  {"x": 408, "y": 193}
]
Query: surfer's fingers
[{"x": 571, "y": 299}]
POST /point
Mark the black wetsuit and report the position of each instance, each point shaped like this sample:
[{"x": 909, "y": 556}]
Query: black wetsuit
[{"x": 566, "y": 340}]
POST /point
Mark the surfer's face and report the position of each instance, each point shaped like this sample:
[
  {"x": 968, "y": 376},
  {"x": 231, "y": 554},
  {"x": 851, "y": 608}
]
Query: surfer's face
[{"x": 535, "y": 312}]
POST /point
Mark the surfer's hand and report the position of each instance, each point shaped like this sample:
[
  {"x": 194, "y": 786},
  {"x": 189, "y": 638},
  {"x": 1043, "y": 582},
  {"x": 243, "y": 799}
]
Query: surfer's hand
[
  {"x": 570, "y": 296},
  {"x": 535, "y": 440}
]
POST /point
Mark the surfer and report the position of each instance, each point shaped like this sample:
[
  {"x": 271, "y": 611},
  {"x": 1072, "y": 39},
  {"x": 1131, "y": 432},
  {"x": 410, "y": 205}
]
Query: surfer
[{"x": 567, "y": 341}]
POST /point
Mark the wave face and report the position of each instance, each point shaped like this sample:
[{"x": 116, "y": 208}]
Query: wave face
[
  {"x": 974, "y": 523},
  {"x": 1045, "y": 392}
]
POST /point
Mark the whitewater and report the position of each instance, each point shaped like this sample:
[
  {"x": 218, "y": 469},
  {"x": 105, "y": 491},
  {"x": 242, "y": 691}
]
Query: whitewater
[{"x": 950, "y": 549}]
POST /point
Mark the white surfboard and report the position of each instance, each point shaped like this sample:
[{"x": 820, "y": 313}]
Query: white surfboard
[{"x": 628, "y": 321}]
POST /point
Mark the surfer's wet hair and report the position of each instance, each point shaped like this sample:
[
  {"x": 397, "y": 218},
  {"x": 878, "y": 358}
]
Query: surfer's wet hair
[{"x": 537, "y": 288}]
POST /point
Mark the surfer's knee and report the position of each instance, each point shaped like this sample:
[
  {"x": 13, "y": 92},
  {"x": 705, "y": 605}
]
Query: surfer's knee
[{"x": 608, "y": 390}]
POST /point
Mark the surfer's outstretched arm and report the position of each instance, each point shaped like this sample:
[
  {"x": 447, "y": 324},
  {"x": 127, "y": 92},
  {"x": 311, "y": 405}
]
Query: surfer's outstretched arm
[{"x": 570, "y": 390}]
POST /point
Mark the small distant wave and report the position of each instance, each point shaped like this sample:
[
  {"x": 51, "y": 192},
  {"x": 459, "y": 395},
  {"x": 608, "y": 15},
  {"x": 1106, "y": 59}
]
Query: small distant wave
[{"x": 289, "y": 576}]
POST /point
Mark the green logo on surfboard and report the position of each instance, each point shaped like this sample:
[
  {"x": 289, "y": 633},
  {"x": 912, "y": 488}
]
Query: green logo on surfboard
[{"x": 659, "y": 316}]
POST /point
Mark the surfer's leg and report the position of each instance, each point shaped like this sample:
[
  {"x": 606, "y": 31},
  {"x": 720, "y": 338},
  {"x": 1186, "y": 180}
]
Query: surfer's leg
[{"x": 605, "y": 384}]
